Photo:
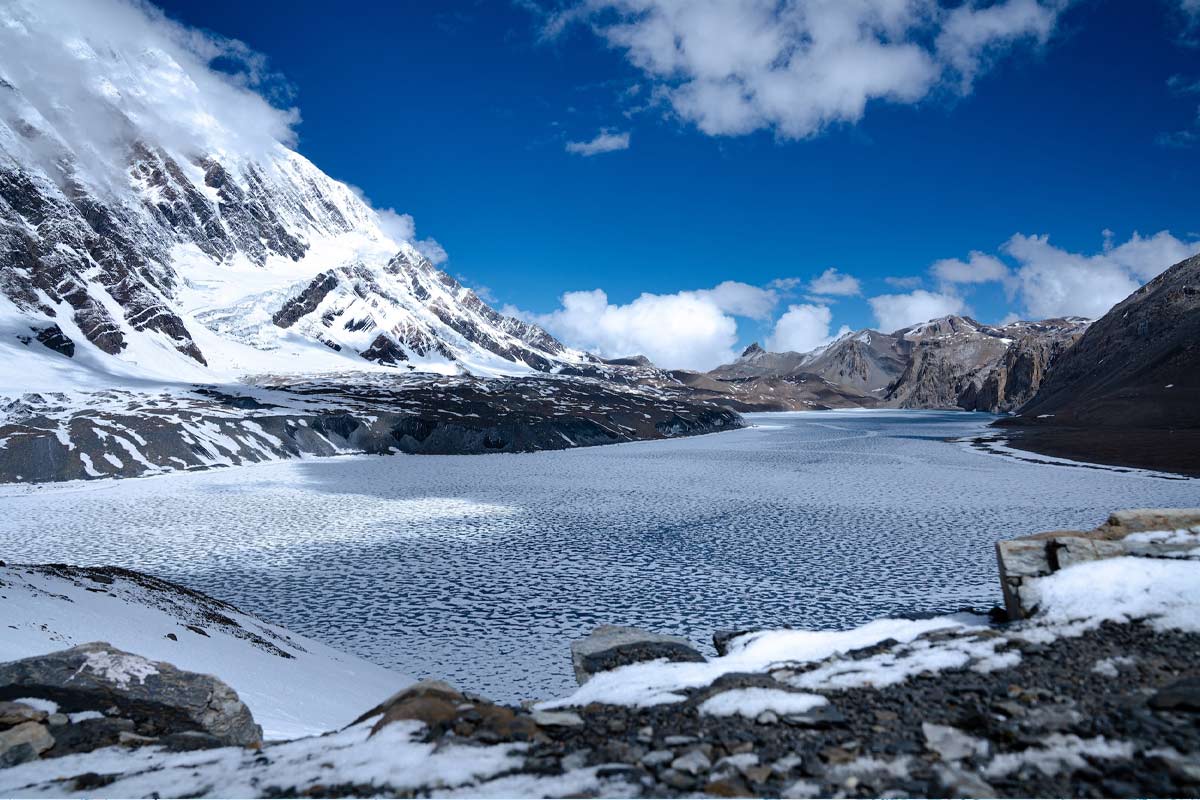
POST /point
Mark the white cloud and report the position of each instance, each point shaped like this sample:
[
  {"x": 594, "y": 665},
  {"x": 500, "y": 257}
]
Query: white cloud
[
  {"x": 735, "y": 66},
  {"x": 684, "y": 330},
  {"x": 431, "y": 249},
  {"x": 742, "y": 299},
  {"x": 402, "y": 227},
  {"x": 802, "y": 328},
  {"x": 693, "y": 329},
  {"x": 603, "y": 142},
  {"x": 970, "y": 36},
  {"x": 1054, "y": 282},
  {"x": 832, "y": 282},
  {"x": 398, "y": 226},
  {"x": 978, "y": 268},
  {"x": 895, "y": 311}
]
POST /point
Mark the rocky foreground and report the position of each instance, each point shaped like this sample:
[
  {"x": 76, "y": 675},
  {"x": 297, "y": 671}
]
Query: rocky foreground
[
  {"x": 120, "y": 433},
  {"x": 1094, "y": 692}
]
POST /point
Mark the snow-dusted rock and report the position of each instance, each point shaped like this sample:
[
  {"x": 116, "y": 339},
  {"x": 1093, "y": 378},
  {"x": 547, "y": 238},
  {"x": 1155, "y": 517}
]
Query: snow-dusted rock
[
  {"x": 611, "y": 646},
  {"x": 294, "y": 686},
  {"x": 160, "y": 698}
]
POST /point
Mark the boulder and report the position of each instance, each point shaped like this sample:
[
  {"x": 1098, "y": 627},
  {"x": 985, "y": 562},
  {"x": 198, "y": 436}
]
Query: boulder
[
  {"x": 611, "y": 646},
  {"x": 1183, "y": 695},
  {"x": 723, "y": 639},
  {"x": 1125, "y": 533},
  {"x": 159, "y": 698},
  {"x": 24, "y": 742},
  {"x": 15, "y": 713},
  {"x": 441, "y": 708}
]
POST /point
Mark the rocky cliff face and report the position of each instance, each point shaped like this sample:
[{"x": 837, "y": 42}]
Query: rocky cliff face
[{"x": 958, "y": 363}]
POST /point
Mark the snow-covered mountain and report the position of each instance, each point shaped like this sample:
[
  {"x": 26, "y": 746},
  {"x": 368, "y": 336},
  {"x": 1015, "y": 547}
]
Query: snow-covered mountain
[{"x": 143, "y": 233}]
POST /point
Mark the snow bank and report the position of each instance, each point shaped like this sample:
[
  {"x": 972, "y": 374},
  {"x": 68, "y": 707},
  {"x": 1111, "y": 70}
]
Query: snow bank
[
  {"x": 658, "y": 682},
  {"x": 1167, "y": 592},
  {"x": 294, "y": 686}
]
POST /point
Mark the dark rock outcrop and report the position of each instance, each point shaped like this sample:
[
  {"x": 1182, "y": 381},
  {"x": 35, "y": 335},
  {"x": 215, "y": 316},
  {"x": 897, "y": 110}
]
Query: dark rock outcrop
[{"x": 155, "y": 697}]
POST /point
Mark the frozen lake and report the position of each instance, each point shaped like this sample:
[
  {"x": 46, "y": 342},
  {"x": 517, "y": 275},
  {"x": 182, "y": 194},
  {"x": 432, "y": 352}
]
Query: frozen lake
[{"x": 480, "y": 569}]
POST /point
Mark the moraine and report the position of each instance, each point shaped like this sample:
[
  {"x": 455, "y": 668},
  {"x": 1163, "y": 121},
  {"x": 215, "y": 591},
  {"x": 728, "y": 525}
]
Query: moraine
[{"x": 477, "y": 569}]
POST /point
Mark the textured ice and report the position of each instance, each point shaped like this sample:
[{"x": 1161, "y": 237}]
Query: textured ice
[{"x": 480, "y": 569}]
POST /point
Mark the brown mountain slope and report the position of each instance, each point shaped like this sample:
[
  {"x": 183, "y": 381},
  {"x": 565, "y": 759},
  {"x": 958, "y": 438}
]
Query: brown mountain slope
[
  {"x": 1137, "y": 366},
  {"x": 1128, "y": 392}
]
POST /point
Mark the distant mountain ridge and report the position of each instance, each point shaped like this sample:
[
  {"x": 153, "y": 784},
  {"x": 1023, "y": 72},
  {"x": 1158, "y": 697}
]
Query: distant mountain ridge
[{"x": 949, "y": 362}]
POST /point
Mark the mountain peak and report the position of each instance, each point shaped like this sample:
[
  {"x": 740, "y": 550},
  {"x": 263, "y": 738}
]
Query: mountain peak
[{"x": 753, "y": 351}]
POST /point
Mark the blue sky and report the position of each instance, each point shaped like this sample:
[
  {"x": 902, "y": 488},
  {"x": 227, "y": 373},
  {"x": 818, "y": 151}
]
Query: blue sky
[{"x": 1045, "y": 119}]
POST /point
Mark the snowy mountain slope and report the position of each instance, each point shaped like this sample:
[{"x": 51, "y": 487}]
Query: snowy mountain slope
[
  {"x": 145, "y": 233},
  {"x": 294, "y": 686}
]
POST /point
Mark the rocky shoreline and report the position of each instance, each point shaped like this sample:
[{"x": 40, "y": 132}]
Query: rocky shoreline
[
  {"x": 1094, "y": 693},
  {"x": 122, "y": 434}
]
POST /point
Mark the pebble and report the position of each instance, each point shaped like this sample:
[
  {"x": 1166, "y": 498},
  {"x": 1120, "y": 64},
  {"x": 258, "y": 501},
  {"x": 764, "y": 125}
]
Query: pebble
[
  {"x": 561, "y": 719},
  {"x": 693, "y": 762},
  {"x": 656, "y": 757},
  {"x": 679, "y": 740}
]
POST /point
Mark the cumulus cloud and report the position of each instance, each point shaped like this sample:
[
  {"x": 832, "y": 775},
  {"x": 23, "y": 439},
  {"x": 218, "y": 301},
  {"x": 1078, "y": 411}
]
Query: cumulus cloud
[
  {"x": 685, "y": 330},
  {"x": 1055, "y": 282},
  {"x": 736, "y": 66},
  {"x": 802, "y": 328},
  {"x": 694, "y": 329},
  {"x": 1049, "y": 281},
  {"x": 742, "y": 299},
  {"x": 603, "y": 142},
  {"x": 978, "y": 268},
  {"x": 400, "y": 227},
  {"x": 895, "y": 311},
  {"x": 832, "y": 282}
]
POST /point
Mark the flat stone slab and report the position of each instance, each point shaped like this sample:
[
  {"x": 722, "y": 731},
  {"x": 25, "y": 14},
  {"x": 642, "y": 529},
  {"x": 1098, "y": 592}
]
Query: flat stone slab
[
  {"x": 1140, "y": 532},
  {"x": 611, "y": 646}
]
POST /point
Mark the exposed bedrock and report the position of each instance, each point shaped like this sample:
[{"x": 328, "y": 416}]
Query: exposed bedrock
[{"x": 127, "y": 435}]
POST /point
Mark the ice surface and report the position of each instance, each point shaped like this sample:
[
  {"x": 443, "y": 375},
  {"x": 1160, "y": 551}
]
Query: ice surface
[{"x": 480, "y": 569}]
